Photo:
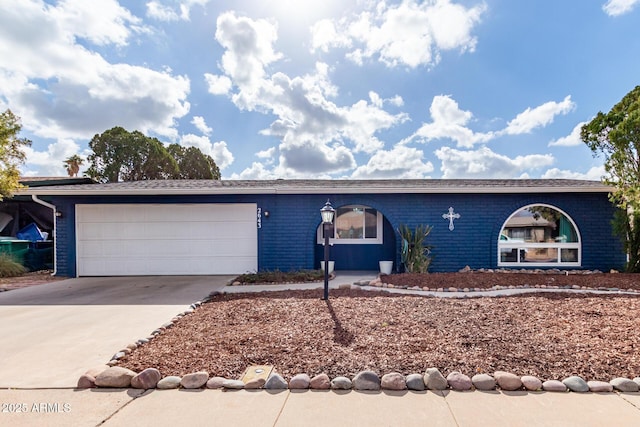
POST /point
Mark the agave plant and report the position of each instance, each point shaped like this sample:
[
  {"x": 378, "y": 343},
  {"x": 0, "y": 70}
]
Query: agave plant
[{"x": 416, "y": 254}]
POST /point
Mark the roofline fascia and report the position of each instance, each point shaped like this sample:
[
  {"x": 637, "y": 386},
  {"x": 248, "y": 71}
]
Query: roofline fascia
[{"x": 43, "y": 191}]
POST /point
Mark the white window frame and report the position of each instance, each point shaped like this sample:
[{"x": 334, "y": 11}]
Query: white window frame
[
  {"x": 522, "y": 247},
  {"x": 378, "y": 240}
]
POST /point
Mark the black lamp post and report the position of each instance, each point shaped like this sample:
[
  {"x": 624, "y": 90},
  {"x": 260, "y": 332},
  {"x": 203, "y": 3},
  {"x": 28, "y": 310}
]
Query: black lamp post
[{"x": 327, "y": 213}]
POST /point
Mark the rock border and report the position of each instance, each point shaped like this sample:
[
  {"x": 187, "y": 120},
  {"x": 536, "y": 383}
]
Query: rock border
[{"x": 113, "y": 376}]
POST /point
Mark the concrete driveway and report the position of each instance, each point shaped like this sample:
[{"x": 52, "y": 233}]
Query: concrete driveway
[{"x": 53, "y": 333}]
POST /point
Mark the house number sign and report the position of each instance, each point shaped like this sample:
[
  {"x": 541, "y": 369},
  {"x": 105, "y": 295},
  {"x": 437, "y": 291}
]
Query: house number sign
[{"x": 259, "y": 219}]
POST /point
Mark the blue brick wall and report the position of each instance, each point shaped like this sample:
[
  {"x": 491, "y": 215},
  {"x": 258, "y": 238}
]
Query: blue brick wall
[{"x": 287, "y": 239}]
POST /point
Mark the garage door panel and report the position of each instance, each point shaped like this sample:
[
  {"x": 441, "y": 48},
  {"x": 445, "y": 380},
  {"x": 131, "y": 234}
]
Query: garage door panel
[{"x": 166, "y": 239}]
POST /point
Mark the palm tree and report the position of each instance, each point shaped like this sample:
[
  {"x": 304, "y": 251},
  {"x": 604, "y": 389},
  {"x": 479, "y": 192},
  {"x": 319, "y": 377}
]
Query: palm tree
[{"x": 73, "y": 164}]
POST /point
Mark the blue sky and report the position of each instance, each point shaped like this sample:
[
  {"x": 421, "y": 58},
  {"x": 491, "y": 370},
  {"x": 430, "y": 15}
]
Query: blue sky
[{"x": 331, "y": 89}]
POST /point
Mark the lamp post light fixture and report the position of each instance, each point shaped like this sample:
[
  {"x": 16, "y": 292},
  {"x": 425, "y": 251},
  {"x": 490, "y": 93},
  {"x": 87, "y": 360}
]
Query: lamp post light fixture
[{"x": 327, "y": 213}]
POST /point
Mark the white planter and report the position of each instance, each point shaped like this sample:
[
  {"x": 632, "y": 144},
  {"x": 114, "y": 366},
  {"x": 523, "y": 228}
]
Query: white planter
[
  {"x": 331, "y": 265},
  {"x": 386, "y": 267}
]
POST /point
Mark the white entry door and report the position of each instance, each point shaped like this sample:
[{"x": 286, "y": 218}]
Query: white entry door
[{"x": 166, "y": 239}]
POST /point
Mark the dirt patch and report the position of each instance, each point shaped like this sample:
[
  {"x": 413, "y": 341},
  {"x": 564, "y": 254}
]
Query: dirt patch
[
  {"x": 551, "y": 336},
  {"x": 28, "y": 279}
]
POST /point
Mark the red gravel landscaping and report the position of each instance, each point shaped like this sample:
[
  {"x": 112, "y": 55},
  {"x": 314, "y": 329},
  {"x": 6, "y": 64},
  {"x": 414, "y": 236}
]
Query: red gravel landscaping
[{"x": 551, "y": 336}]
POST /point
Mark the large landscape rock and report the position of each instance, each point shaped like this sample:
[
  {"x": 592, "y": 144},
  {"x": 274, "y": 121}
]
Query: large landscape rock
[
  {"x": 215, "y": 382},
  {"x": 415, "y": 382},
  {"x": 434, "y": 380},
  {"x": 341, "y": 383},
  {"x": 459, "y": 381},
  {"x": 146, "y": 379},
  {"x": 624, "y": 385},
  {"x": 275, "y": 382},
  {"x": 320, "y": 382},
  {"x": 577, "y": 384},
  {"x": 299, "y": 382},
  {"x": 195, "y": 380},
  {"x": 393, "y": 381},
  {"x": 531, "y": 383},
  {"x": 168, "y": 383},
  {"x": 599, "y": 386},
  {"x": 483, "y": 382},
  {"x": 507, "y": 380},
  {"x": 115, "y": 377},
  {"x": 554, "y": 385},
  {"x": 366, "y": 380}
]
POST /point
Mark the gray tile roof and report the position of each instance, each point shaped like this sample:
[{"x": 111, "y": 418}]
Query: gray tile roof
[{"x": 295, "y": 186}]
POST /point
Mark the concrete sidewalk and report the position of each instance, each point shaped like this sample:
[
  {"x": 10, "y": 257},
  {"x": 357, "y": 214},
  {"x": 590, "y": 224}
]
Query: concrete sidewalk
[{"x": 111, "y": 408}]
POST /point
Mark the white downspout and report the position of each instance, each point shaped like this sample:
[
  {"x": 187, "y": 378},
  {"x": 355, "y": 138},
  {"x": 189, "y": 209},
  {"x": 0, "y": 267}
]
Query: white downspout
[{"x": 55, "y": 221}]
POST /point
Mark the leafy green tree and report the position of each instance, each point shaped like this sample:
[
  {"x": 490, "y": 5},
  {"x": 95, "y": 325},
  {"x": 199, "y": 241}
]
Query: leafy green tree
[
  {"x": 193, "y": 163},
  {"x": 72, "y": 164},
  {"x": 616, "y": 136},
  {"x": 120, "y": 155},
  {"x": 11, "y": 153}
]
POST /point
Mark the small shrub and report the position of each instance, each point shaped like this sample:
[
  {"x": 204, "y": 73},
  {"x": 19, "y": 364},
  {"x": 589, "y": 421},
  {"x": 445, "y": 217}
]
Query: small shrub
[
  {"x": 416, "y": 255},
  {"x": 277, "y": 276},
  {"x": 9, "y": 267}
]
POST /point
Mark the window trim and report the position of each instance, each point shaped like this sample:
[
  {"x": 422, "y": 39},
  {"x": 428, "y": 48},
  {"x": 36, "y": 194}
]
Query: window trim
[
  {"x": 378, "y": 240},
  {"x": 524, "y": 246}
]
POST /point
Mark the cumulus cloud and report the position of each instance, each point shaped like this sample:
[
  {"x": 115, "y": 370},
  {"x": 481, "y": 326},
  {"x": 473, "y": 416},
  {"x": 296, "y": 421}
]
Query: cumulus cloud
[
  {"x": 161, "y": 12},
  {"x": 619, "y": 7},
  {"x": 571, "y": 140},
  {"x": 594, "y": 174},
  {"x": 411, "y": 33},
  {"x": 401, "y": 162},
  {"x": 201, "y": 125},
  {"x": 218, "y": 85},
  {"x": 539, "y": 116},
  {"x": 217, "y": 150},
  {"x": 63, "y": 89},
  {"x": 448, "y": 121},
  {"x": 50, "y": 162},
  {"x": 484, "y": 163},
  {"x": 317, "y": 135}
]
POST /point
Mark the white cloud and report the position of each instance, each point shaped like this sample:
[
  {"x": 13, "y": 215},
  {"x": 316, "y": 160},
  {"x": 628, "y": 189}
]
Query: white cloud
[
  {"x": 268, "y": 155},
  {"x": 571, "y": 140},
  {"x": 316, "y": 134},
  {"x": 619, "y": 7},
  {"x": 217, "y": 150},
  {"x": 248, "y": 47},
  {"x": 539, "y": 116},
  {"x": 50, "y": 162},
  {"x": 218, "y": 85},
  {"x": 161, "y": 12},
  {"x": 62, "y": 89},
  {"x": 594, "y": 174},
  {"x": 399, "y": 163},
  {"x": 102, "y": 22},
  {"x": 448, "y": 121},
  {"x": 410, "y": 34},
  {"x": 484, "y": 163},
  {"x": 201, "y": 125}
]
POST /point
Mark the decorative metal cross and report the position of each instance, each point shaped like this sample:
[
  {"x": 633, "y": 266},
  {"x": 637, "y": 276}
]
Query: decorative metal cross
[{"x": 451, "y": 216}]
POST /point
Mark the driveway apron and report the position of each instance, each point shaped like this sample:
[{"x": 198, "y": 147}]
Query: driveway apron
[{"x": 53, "y": 333}]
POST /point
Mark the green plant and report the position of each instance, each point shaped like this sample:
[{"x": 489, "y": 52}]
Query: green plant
[
  {"x": 416, "y": 254},
  {"x": 277, "y": 276},
  {"x": 9, "y": 267}
]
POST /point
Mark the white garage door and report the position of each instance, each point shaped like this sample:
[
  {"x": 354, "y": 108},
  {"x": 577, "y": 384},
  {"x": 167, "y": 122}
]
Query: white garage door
[{"x": 166, "y": 239}]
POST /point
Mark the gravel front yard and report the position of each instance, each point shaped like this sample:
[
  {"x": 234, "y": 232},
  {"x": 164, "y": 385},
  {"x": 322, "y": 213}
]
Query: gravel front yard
[{"x": 551, "y": 336}]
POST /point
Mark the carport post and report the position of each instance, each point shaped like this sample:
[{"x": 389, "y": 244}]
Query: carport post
[{"x": 326, "y": 213}]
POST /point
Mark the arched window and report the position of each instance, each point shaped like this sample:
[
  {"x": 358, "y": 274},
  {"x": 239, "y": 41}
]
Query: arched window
[
  {"x": 539, "y": 236},
  {"x": 354, "y": 224}
]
